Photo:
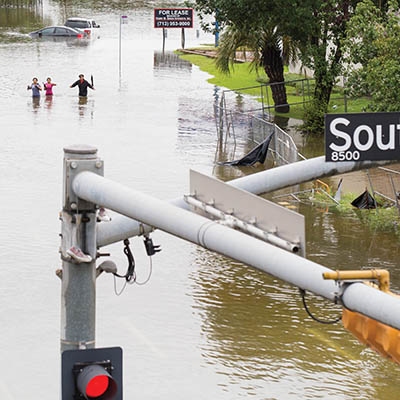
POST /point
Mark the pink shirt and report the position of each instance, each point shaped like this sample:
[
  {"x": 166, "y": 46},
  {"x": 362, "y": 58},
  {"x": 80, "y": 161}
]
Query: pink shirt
[{"x": 49, "y": 88}]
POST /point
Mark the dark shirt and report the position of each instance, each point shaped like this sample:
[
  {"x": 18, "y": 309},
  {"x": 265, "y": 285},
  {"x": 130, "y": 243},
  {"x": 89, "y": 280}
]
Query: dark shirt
[{"x": 82, "y": 87}]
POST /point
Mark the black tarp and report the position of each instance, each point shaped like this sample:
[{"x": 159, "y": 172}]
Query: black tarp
[
  {"x": 364, "y": 201},
  {"x": 258, "y": 154}
]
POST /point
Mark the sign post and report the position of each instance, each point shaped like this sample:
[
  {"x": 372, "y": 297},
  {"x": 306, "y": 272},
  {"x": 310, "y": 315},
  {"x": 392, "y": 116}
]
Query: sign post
[
  {"x": 123, "y": 20},
  {"x": 362, "y": 137},
  {"x": 173, "y": 18}
]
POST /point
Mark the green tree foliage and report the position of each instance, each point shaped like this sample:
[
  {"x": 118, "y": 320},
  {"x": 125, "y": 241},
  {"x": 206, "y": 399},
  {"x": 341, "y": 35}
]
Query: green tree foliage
[
  {"x": 269, "y": 51},
  {"x": 249, "y": 25},
  {"x": 320, "y": 45},
  {"x": 316, "y": 27},
  {"x": 372, "y": 55}
]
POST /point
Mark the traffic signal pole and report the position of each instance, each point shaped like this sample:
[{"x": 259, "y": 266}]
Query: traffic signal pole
[
  {"x": 85, "y": 189},
  {"x": 96, "y": 373},
  {"x": 219, "y": 238},
  {"x": 78, "y": 254}
]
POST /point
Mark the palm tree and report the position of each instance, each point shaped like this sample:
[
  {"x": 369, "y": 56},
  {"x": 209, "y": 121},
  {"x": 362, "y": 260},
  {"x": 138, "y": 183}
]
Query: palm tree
[{"x": 270, "y": 51}]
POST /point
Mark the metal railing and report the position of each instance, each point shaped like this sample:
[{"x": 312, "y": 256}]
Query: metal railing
[
  {"x": 247, "y": 119},
  {"x": 387, "y": 185}
]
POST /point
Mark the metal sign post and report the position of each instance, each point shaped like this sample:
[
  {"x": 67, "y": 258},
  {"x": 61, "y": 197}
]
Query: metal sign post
[
  {"x": 183, "y": 38},
  {"x": 173, "y": 18},
  {"x": 123, "y": 20}
]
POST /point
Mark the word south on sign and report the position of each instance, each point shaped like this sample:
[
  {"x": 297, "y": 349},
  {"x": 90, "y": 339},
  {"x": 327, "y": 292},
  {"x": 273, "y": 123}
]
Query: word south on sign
[{"x": 362, "y": 137}]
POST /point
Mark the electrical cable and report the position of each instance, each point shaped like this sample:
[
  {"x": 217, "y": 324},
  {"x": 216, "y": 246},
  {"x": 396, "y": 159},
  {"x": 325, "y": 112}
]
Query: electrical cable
[
  {"x": 149, "y": 276},
  {"x": 130, "y": 275},
  {"x": 303, "y": 297},
  {"x": 118, "y": 293}
]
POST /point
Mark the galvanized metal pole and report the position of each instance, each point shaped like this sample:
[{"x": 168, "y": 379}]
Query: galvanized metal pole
[
  {"x": 209, "y": 234},
  {"x": 261, "y": 182},
  {"x": 78, "y": 254},
  {"x": 120, "y": 46},
  {"x": 183, "y": 38},
  {"x": 299, "y": 172}
]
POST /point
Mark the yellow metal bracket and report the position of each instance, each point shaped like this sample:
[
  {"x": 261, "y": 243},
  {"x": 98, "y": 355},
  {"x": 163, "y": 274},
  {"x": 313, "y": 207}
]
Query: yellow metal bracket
[
  {"x": 380, "y": 275},
  {"x": 382, "y": 338}
]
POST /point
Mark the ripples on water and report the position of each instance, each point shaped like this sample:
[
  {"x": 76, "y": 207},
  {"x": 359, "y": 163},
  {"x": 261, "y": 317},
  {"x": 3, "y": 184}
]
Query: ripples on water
[
  {"x": 255, "y": 330},
  {"x": 204, "y": 327}
]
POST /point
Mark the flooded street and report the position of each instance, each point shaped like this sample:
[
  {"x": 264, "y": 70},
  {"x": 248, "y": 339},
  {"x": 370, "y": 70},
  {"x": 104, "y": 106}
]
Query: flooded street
[{"x": 203, "y": 327}]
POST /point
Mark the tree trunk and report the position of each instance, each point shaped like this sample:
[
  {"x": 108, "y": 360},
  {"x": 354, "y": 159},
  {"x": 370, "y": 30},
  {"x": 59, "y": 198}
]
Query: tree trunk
[
  {"x": 273, "y": 67},
  {"x": 324, "y": 81},
  {"x": 323, "y": 89}
]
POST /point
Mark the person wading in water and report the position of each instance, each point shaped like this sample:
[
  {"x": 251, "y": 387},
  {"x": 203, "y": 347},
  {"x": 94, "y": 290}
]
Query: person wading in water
[
  {"x": 83, "y": 85},
  {"x": 35, "y": 87},
  {"x": 48, "y": 86}
]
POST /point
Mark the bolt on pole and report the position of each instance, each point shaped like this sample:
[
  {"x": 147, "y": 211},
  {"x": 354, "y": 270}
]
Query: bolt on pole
[{"x": 78, "y": 253}]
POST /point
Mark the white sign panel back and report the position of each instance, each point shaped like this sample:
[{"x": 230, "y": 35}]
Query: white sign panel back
[{"x": 250, "y": 208}]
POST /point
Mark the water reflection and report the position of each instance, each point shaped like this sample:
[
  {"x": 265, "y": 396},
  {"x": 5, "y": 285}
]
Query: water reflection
[
  {"x": 86, "y": 107},
  {"x": 18, "y": 18},
  {"x": 16, "y": 13},
  {"x": 170, "y": 61},
  {"x": 65, "y": 40},
  {"x": 82, "y": 105},
  {"x": 256, "y": 330},
  {"x": 312, "y": 146},
  {"x": 221, "y": 330},
  {"x": 361, "y": 247},
  {"x": 48, "y": 101},
  {"x": 35, "y": 103},
  {"x": 283, "y": 122}
]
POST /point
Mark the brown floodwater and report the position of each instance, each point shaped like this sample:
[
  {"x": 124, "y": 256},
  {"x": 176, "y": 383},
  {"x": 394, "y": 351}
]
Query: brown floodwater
[{"x": 204, "y": 326}]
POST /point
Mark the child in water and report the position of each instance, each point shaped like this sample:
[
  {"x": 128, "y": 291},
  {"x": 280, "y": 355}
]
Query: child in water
[
  {"x": 35, "y": 87},
  {"x": 48, "y": 86}
]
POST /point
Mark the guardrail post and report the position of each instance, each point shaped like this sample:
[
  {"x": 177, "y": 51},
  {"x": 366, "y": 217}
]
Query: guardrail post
[{"x": 78, "y": 253}]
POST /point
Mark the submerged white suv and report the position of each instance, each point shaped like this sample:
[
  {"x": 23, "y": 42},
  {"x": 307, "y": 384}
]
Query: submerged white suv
[{"x": 83, "y": 24}]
